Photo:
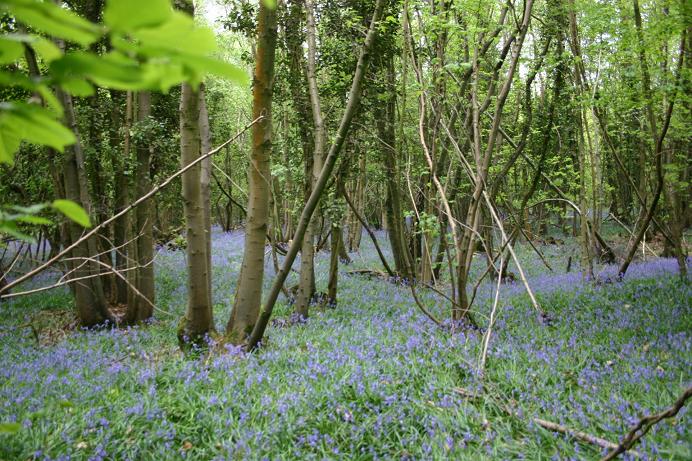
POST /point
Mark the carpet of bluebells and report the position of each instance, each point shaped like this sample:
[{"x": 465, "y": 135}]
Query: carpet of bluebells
[{"x": 371, "y": 379}]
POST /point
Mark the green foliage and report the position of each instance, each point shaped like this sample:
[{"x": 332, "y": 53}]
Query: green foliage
[
  {"x": 28, "y": 122},
  {"x": 9, "y": 428},
  {"x": 120, "y": 15},
  {"x": 51, "y": 19},
  {"x": 154, "y": 49},
  {"x": 73, "y": 211},
  {"x": 13, "y": 216}
]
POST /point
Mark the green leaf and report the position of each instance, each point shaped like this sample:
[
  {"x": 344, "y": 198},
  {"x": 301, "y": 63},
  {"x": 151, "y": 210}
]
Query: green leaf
[
  {"x": 10, "y": 228},
  {"x": 65, "y": 404},
  {"x": 9, "y": 144},
  {"x": 31, "y": 123},
  {"x": 50, "y": 99},
  {"x": 10, "y": 428},
  {"x": 30, "y": 219},
  {"x": 112, "y": 70},
  {"x": 53, "y": 20},
  {"x": 178, "y": 35},
  {"x": 46, "y": 49},
  {"x": 126, "y": 15},
  {"x": 73, "y": 211},
  {"x": 16, "y": 80},
  {"x": 31, "y": 209},
  {"x": 10, "y": 50},
  {"x": 271, "y": 4},
  {"x": 204, "y": 64},
  {"x": 163, "y": 75},
  {"x": 77, "y": 87}
]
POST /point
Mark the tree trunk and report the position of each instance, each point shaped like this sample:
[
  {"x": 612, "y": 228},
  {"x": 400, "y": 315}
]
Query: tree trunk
[
  {"x": 353, "y": 102},
  {"x": 90, "y": 302},
  {"x": 355, "y": 228},
  {"x": 121, "y": 196},
  {"x": 385, "y": 121},
  {"x": 141, "y": 307},
  {"x": 334, "y": 265},
  {"x": 248, "y": 298},
  {"x": 306, "y": 285},
  {"x": 205, "y": 178},
  {"x": 198, "y": 319}
]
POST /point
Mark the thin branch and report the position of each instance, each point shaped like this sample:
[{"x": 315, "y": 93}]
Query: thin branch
[
  {"x": 488, "y": 332},
  {"x": 368, "y": 230},
  {"x": 124, "y": 211},
  {"x": 640, "y": 429},
  {"x": 582, "y": 436}
]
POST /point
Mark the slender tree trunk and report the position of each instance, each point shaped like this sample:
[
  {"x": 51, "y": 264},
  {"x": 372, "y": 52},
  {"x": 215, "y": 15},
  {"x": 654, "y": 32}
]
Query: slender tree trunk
[
  {"x": 306, "y": 285},
  {"x": 584, "y": 238},
  {"x": 90, "y": 302},
  {"x": 353, "y": 102},
  {"x": 355, "y": 228},
  {"x": 141, "y": 309},
  {"x": 198, "y": 320},
  {"x": 332, "y": 285},
  {"x": 205, "y": 143},
  {"x": 394, "y": 216},
  {"x": 248, "y": 295},
  {"x": 121, "y": 197}
]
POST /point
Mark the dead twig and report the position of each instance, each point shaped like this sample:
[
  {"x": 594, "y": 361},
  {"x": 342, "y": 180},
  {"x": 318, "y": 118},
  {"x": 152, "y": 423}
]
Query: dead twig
[
  {"x": 582, "y": 436},
  {"x": 545, "y": 424},
  {"x": 640, "y": 429}
]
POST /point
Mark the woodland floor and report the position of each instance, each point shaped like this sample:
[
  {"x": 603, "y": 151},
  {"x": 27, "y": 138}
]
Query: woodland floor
[{"x": 371, "y": 379}]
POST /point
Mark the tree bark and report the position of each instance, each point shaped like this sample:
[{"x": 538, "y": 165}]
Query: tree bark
[
  {"x": 248, "y": 297},
  {"x": 141, "y": 309},
  {"x": 306, "y": 285},
  {"x": 205, "y": 179},
  {"x": 90, "y": 302},
  {"x": 121, "y": 196},
  {"x": 344, "y": 127},
  {"x": 198, "y": 320}
]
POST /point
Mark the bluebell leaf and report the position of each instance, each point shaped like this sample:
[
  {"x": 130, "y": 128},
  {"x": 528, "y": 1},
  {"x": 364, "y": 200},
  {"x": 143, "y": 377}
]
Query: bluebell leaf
[{"x": 9, "y": 428}]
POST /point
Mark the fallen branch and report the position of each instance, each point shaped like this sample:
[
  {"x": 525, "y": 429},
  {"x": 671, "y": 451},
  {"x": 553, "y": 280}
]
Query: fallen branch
[
  {"x": 583, "y": 436},
  {"x": 647, "y": 422},
  {"x": 369, "y": 272},
  {"x": 549, "y": 425},
  {"x": 368, "y": 230}
]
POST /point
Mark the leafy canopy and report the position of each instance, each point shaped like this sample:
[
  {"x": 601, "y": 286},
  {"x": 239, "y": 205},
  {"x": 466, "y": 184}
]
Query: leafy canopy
[{"x": 152, "y": 48}]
